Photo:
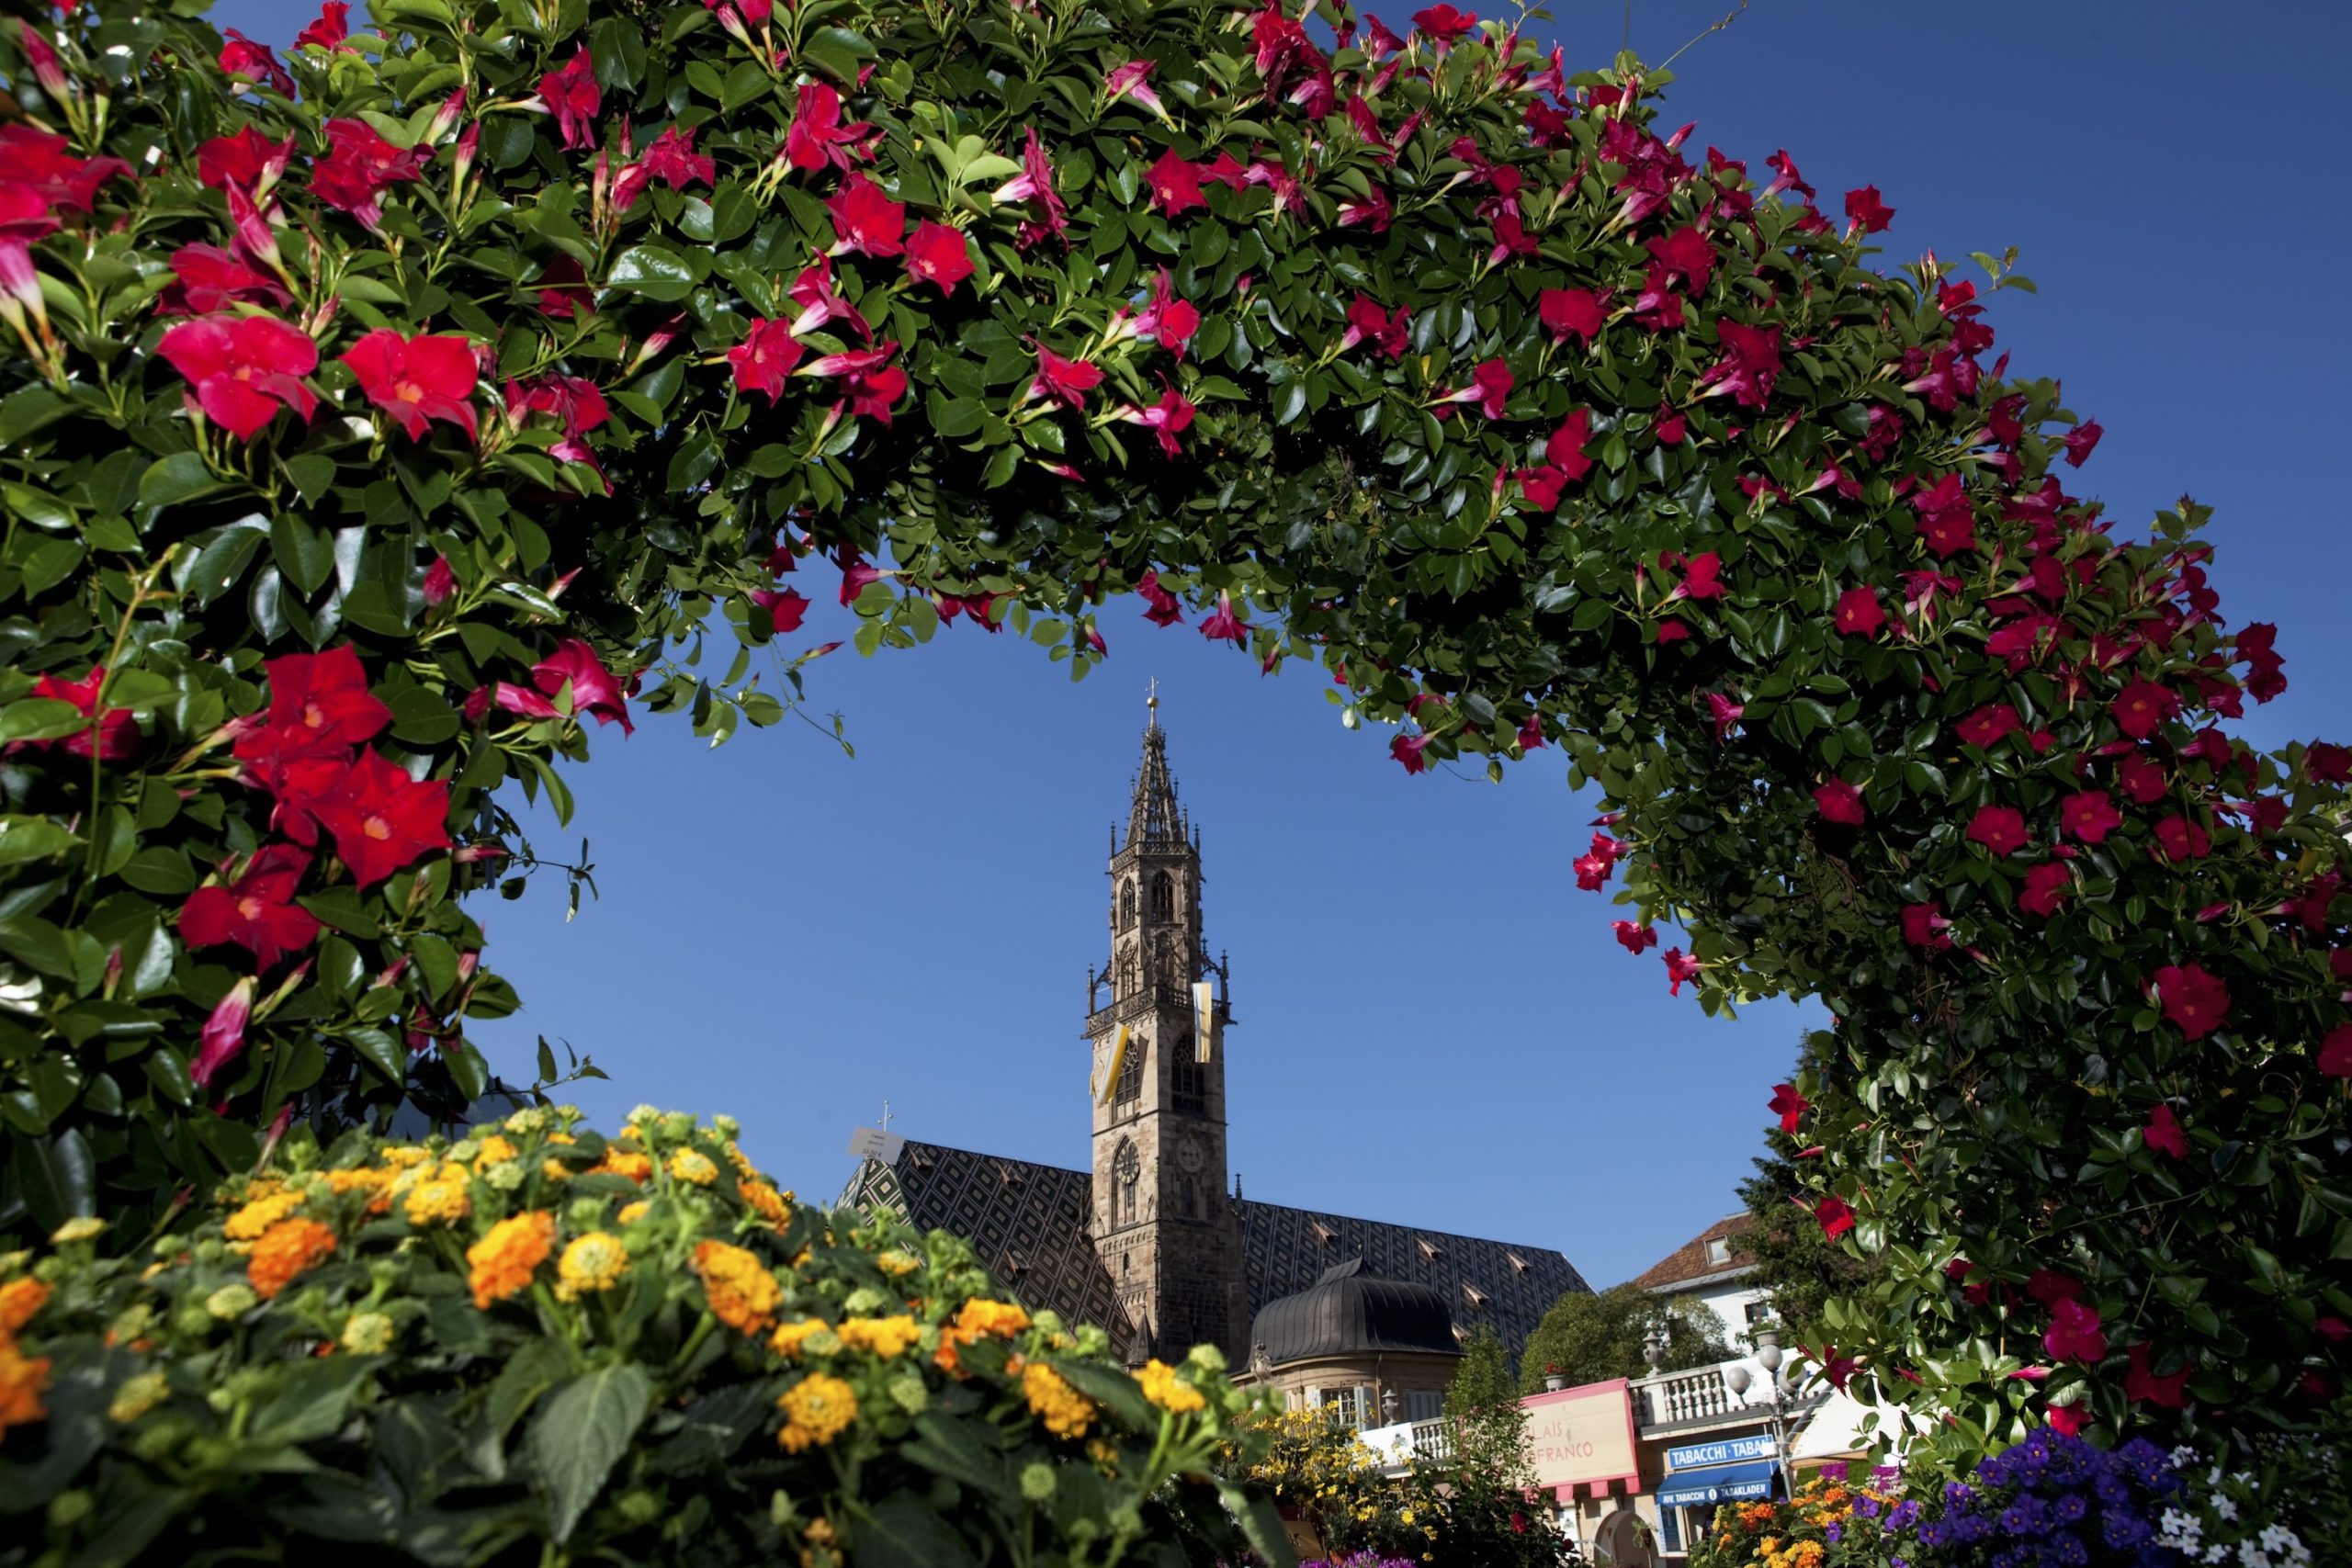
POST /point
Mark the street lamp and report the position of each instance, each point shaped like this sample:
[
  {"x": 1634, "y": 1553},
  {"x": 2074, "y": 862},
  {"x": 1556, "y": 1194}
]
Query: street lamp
[{"x": 1778, "y": 1385}]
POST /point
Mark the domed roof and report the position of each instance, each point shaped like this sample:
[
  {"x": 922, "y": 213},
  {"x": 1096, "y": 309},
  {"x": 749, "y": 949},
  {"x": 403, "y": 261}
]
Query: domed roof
[{"x": 1348, "y": 1311}]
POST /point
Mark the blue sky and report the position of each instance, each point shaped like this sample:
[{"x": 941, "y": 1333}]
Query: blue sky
[{"x": 1434, "y": 1025}]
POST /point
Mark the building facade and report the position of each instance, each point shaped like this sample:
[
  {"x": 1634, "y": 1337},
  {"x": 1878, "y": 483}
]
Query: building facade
[{"x": 1154, "y": 1241}]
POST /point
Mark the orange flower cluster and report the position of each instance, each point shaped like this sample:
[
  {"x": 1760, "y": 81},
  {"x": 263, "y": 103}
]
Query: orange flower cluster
[
  {"x": 285, "y": 1251},
  {"x": 22, "y": 1376},
  {"x": 978, "y": 1319},
  {"x": 741, "y": 1291},
  {"x": 500, "y": 1264}
]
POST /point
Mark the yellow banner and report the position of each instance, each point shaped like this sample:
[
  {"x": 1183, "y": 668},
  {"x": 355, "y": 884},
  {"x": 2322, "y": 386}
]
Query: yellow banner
[
  {"x": 1118, "y": 1060},
  {"x": 1203, "y": 1015}
]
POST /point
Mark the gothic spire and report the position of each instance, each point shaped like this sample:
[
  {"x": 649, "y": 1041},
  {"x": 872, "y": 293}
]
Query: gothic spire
[{"x": 1154, "y": 820}]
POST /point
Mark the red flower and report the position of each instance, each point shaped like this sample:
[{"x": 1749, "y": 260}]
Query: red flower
[
  {"x": 865, "y": 220},
  {"x": 1579, "y": 310},
  {"x": 785, "y": 609},
  {"x": 1167, "y": 419},
  {"x": 382, "y": 820},
  {"x": 1679, "y": 969},
  {"x": 2000, "y": 828},
  {"x": 256, "y": 911},
  {"x": 440, "y": 582},
  {"x": 1924, "y": 926},
  {"x": 1368, "y": 320},
  {"x": 2328, "y": 763},
  {"x": 763, "y": 360},
  {"x": 223, "y": 1035},
  {"x": 594, "y": 689},
  {"x": 1223, "y": 624},
  {"x": 1839, "y": 802},
  {"x": 1685, "y": 255},
  {"x": 2334, "y": 1058},
  {"x": 1175, "y": 183},
  {"x": 1445, "y": 23},
  {"x": 817, "y": 136},
  {"x": 1162, "y": 609},
  {"x": 330, "y": 27},
  {"x": 2074, "y": 1334},
  {"x": 318, "y": 703},
  {"x": 2044, "y": 885},
  {"x": 1490, "y": 384},
  {"x": 1789, "y": 1106},
  {"x": 2141, "y": 779},
  {"x": 937, "y": 254},
  {"x": 2049, "y": 1287},
  {"x": 2081, "y": 442},
  {"x": 1989, "y": 724},
  {"x": 1594, "y": 866},
  {"x": 1564, "y": 453},
  {"x": 1947, "y": 518},
  {"x": 243, "y": 369},
  {"x": 2142, "y": 1385},
  {"x": 2180, "y": 839},
  {"x": 1407, "y": 750},
  {"x": 2090, "y": 815},
  {"x": 572, "y": 95},
  {"x": 1859, "y": 613},
  {"x": 117, "y": 731},
  {"x": 2142, "y": 705},
  {"x": 1069, "y": 380},
  {"x": 2068, "y": 1420},
  {"x": 1836, "y": 1216},
  {"x": 1750, "y": 365},
  {"x": 672, "y": 160},
  {"x": 2332, "y": 1329},
  {"x": 358, "y": 166},
  {"x": 1034, "y": 183},
  {"x": 562, "y": 289},
  {"x": 241, "y": 57},
  {"x": 1633, "y": 937},
  {"x": 417, "y": 379},
  {"x": 1722, "y": 711},
  {"x": 212, "y": 279},
  {"x": 2195, "y": 1001},
  {"x": 248, "y": 159},
  {"x": 1865, "y": 212},
  {"x": 2163, "y": 1132}
]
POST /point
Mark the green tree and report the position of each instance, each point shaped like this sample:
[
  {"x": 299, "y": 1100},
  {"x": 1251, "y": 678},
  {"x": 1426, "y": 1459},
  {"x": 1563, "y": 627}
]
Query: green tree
[
  {"x": 1482, "y": 1384},
  {"x": 1589, "y": 1337},
  {"x": 1801, "y": 1269},
  {"x": 1483, "y": 1495}
]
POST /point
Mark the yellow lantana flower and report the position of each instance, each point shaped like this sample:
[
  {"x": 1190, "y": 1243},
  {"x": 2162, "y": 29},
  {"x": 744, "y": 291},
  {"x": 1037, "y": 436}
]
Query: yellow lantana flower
[
  {"x": 888, "y": 1338},
  {"x": 248, "y": 1223},
  {"x": 591, "y": 1263},
  {"x": 500, "y": 1264},
  {"x": 1165, "y": 1389},
  {"x": 1066, "y": 1412},
  {"x": 741, "y": 1291},
  {"x": 439, "y": 1198},
  {"x": 816, "y": 1410},
  {"x": 790, "y": 1340},
  {"x": 693, "y": 1166}
]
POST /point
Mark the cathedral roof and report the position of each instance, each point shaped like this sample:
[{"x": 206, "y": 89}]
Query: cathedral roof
[
  {"x": 1350, "y": 1312},
  {"x": 1028, "y": 1223}
]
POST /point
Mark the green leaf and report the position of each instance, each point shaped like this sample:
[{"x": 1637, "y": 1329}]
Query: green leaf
[
  {"x": 39, "y": 718},
  {"x": 310, "y": 1399},
  {"x": 904, "y": 1532},
  {"x": 55, "y": 1176},
  {"x": 1260, "y": 1525},
  {"x": 653, "y": 271},
  {"x": 170, "y": 481},
  {"x": 580, "y": 1433},
  {"x": 344, "y": 909},
  {"x": 26, "y": 838},
  {"x": 305, "y": 555},
  {"x": 218, "y": 559}
]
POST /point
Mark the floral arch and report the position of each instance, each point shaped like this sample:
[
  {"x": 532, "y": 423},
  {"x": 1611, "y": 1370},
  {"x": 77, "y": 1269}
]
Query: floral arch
[{"x": 376, "y": 416}]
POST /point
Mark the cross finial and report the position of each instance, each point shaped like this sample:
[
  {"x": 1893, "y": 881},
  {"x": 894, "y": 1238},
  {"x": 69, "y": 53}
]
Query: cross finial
[
  {"x": 885, "y": 1115},
  {"x": 1151, "y": 704}
]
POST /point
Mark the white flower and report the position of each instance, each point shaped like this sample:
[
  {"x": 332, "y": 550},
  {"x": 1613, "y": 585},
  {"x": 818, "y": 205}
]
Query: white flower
[
  {"x": 2225, "y": 1507},
  {"x": 2183, "y": 1457},
  {"x": 2182, "y": 1532}
]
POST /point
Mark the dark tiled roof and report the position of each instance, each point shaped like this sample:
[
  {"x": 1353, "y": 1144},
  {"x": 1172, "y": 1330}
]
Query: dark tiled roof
[
  {"x": 1695, "y": 1259},
  {"x": 1028, "y": 1224}
]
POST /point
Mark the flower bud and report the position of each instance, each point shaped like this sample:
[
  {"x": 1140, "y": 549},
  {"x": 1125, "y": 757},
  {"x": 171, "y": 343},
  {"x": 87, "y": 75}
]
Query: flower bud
[{"x": 46, "y": 71}]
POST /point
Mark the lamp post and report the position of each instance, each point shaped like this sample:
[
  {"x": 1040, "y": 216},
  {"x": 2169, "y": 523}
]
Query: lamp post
[{"x": 1778, "y": 1385}]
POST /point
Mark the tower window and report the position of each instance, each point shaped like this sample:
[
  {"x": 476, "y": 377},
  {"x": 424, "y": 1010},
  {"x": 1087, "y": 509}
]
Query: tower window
[
  {"x": 1127, "y": 906},
  {"x": 1131, "y": 1071},
  {"x": 1188, "y": 1084},
  {"x": 1163, "y": 897},
  {"x": 1130, "y": 973}
]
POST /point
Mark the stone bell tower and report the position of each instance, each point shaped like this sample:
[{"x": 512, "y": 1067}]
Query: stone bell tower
[{"x": 1162, "y": 1222}]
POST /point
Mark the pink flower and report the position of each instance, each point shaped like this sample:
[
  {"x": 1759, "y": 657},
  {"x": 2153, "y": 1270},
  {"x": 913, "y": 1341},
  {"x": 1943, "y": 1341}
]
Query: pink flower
[
  {"x": 1721, "y": 710},
  {"x": 1579, "y": 310},
  {"x": 1699, "y": 579},
  {"x": 1749, "y": 365},
  {"x": 1685, "y": 255},
  {"x": 2143, "y": 706},
  {"x": 1167, "y": 419},
  {"x": 1161, "y": 607},
  {"x": 1785, "y": 176},
  {"x": 440, "y": 582},
  {"x": 212, "y": 279},
  {"x": 2194, "y": 1001},
  {"x": 1947, "y": 519},
  {"x": 937, "y": 254},
  {"x": 2163, "y": 1134},
  {"x": 1066, "y": 381},
  {"x": 2081, "y": 442},
  {"x": 118, "y": 729},
  {"x": 2334, "y": 1058},
  {"x": 2045, "y": 885},
  {"x": 223, "y": 1035},
  {"x": 243, "y": 369},
  {"x": 763, "y": 360},
  {"x": 1407, "y": 750},
  {"x": 1836, "y": 1216},
  {"x": 1865, "y": 212},
  {"x": 1678, "y": 968},
  {"x": 2180, "y": 839},
  {"x": 1989, "y": 724},
  {"x": 1368, "y": 320},
  {"x": 417, "y": 379},
  {"x": 2090, "y": 815},
  {"x": 2068, "y": 1420},
  {"x": 1924, "y": 926},
  {"x": 1594, "y": 866},
  {"x": 672, "y": 160},
  {"x": 813, "y": 291},
  {"x": 1839, "y": 802},
  {"x": 1175, "y": 183},
  {"x": 382, "y": 820},
  {"x": 865, "y": 220},
  {"x": 1223, "y": 623},
  {"x": 1132, "y": 80},
  {"x": 330, "y": 27},
  {"x": 248, "y": 159},
  {"x": 785, "y": 608},
  {"x": 1034, "y": 183},
  {"x": 2141, "y": 778},
  {"x": 256, "y": 911},
  {"x": 1166, "y": 319},
  {"x": 1859, "y": 613},
  {"x": 1633, "y": 937},
  {"x": 243, "y": 59},
  {"x": 594, "y": 689},
  {"x": 570, "y": 94},
  {"x": 358, "y": 166},
  {"x": 817, "y": 136},
  {"x": 1445, "y": 24},
  {"x": 1490, "y": 384},
  {"x": 1789, "y": 1106},
  {"x": 2074, "y": 1334},
  {"x": 2000, "y": 828}
]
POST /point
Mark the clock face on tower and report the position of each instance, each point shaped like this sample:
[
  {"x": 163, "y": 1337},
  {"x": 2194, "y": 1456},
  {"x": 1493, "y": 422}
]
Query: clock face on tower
[
  {"x": 1127, "y": 1166},
  {"x": 1189, "y": 1153}
]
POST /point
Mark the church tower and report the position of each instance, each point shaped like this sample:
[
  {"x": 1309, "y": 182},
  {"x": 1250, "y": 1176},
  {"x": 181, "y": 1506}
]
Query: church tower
[{"x": 1162, "y": 1222}]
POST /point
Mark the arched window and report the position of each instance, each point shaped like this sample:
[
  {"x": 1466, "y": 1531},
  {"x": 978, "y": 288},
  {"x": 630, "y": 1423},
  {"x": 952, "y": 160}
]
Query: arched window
[
  {"x": 1163, "y": 897},
  {"x": 1130, "y": 1075},
  {"x": 1127, "y": 906},
  {"x": 1130, "y": 973},
  {"x": 1126, "y": 1172},
  {"x": 1188, "y": 1198}
]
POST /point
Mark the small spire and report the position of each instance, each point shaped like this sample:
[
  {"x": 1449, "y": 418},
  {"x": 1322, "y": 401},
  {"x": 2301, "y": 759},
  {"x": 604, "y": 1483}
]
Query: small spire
[
  {"x": 1155, "y": 818},
  {"x": 1151, "y": 705}
]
